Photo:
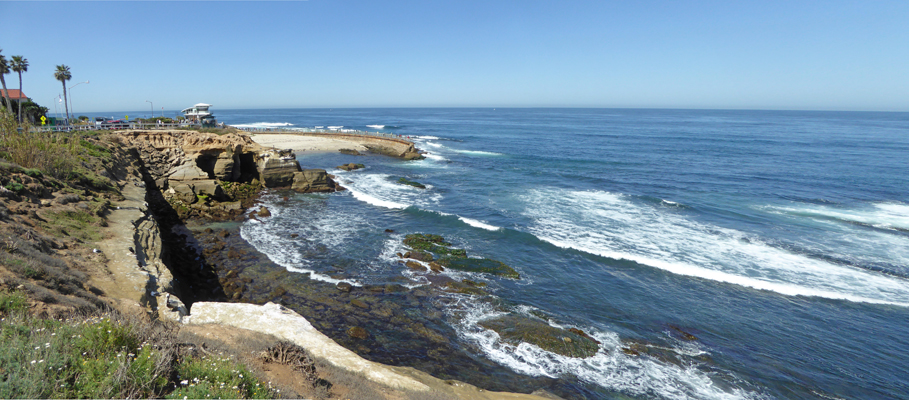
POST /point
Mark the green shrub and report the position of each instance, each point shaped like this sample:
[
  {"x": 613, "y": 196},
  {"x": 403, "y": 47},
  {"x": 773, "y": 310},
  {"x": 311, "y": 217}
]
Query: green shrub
[
  {"x": 13, "y": 302},
  {"x": 34, "y": 173},
  {"x": 94, "y": 150},
  {"x": 107, "y": 357},
  {"x": 79, "y": 223},
  {"x": 15, "y": 187},
  {"x": 209, "y": 377}
]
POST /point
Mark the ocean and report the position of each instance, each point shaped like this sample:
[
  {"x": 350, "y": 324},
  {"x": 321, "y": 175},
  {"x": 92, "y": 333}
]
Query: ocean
[{"x": 713, "y": 254}]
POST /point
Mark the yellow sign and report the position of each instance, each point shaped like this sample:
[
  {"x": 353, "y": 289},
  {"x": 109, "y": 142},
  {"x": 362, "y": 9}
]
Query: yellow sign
[
  {"x": 43, "y": 118},
  {"x": 127, "y": 118}
]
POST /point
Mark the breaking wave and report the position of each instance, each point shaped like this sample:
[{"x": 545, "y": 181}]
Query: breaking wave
[{"x": 614, "y": 226}]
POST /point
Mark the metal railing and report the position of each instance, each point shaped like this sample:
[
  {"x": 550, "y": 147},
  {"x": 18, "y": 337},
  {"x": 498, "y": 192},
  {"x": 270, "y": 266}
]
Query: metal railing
[
  {"x": 322, "y": 131},
  {"x": 126, "y": 125}
]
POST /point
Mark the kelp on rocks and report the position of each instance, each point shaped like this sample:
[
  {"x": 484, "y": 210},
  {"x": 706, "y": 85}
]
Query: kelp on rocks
[
  {"x": 457, "y": 258},
  {"x": 567, "y": 342}
]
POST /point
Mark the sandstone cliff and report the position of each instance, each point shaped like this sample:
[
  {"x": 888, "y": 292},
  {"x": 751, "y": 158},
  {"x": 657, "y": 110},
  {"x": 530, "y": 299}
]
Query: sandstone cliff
[{"x": 209, "y": 175}]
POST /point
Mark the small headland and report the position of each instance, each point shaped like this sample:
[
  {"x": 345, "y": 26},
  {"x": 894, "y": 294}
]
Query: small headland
[{"x": 302, "y": 141}]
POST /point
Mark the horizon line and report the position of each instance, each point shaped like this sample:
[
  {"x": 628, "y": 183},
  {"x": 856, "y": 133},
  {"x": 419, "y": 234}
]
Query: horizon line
[{"x": 530, "y": 107}]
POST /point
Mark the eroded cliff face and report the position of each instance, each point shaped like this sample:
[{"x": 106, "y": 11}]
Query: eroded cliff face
[
  {"x": 187, "y": 174},
  {"x": 209, "y": 175}
]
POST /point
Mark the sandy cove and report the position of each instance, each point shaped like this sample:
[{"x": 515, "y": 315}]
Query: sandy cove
[{"x": 300, "y": 143}]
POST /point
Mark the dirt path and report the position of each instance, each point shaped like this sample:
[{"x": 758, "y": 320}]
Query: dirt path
[{"x": 133, "y": 272}]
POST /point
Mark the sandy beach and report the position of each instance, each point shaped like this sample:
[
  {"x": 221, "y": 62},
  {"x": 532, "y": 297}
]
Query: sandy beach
[{"x": 300, "y": 143}]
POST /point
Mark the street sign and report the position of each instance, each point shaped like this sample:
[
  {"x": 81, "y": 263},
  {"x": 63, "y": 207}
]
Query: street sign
[
  {"x": 43, "y": 118},
  {"x": 127, "y": 118}
]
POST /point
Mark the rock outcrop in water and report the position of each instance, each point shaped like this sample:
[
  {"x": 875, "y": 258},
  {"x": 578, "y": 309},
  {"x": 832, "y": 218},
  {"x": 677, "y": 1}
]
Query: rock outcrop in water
[
  {"x": 453, "y": 258},
  {"x": 314, "y": 181},
  {"x": 405, "y": 181},
  {"x": 515, "y": 329},
  {"x": 351, "y": 167}
]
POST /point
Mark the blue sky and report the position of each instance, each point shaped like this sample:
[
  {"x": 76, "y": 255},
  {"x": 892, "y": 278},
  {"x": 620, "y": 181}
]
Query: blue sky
[{"x": 807, "y": 55}]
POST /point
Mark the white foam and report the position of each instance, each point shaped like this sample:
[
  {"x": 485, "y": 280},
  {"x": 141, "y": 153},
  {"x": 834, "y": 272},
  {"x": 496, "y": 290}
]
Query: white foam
[
  {"x": 880, "y": 215},
  {"x": 263, "y": 125},
  {"x": 478, "y": 152},
  {"x": 613, "y": 226},
  {"x": 274, "y": 243},
  {"x": 436, "y": 145},
  {"x": 479, "y": 224},
  {"x": 434, "y": 157},
  {"x": 609, "y": 367},
  {"x": 334, "y": 128},
  {"x": 842, "y": 238},
  {"x": 381, "y": 190},
  {"x": 366, "y": 198},
  {"x": 376, "y": 126},
  {"x": 322, "y": 232},
  {"x": 427, "y": 137}
]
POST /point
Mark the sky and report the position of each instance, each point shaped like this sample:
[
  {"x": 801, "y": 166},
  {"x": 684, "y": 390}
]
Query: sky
[{"x": 780, "y": 55}]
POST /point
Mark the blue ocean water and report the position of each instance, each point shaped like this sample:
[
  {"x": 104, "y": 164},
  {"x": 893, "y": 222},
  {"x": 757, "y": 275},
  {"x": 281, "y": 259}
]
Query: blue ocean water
[{"x": 779, "y": 239}]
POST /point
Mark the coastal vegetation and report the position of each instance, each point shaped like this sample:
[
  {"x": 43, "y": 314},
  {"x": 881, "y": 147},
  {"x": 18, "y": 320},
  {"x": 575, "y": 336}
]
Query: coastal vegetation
[
  {"x": 19, "y": 65},
  {"x": 4, "y": 69},
  {"x": 109, "y": 355}
]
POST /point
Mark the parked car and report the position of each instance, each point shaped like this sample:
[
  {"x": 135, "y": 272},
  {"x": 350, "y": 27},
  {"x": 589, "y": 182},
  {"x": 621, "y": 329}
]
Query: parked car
[{"x": 115, "y": 124}]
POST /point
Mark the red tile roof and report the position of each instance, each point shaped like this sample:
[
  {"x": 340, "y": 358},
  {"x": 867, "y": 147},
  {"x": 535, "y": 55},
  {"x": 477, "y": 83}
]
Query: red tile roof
[{"x": 14, "y": 94}]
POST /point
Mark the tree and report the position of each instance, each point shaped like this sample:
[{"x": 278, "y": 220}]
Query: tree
[
  {"x": 19, "y": 64},
  {"x": 62, "y": 74},
  {"x": 4, "y": 69},
  {"x": 33, "y": 112}
]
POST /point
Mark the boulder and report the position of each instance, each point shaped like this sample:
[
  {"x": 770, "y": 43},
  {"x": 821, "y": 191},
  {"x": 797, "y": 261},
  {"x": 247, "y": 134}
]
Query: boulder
[
  {"x": 516, "y": 328},
  {"x": 436, "y": 267},
  {"x": 277, "y": 169},
  {"x": 188, "y": 171},
  {"x": 415, "y": 266},
  {"x": 351, "y": 166},
  {"x": 412, "y": 155},
  {"x": 313, "y": 181},
  {"x": 207, "y": 187},
  {"x": 419, "y": 256},
  {"x": 357, "y": 332},
  {"x": 350, "y": 152},
  {"x": 225, "y": 167},
  {"x": 405, "y": 181}
]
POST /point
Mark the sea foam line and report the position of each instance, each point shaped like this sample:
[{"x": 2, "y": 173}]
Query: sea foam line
[
  {"x": 882, "y": 215},
  {"x": 479, "y": 224},
  {"x": 613, "y": 226},
  {"x": 263, "y": 125}
]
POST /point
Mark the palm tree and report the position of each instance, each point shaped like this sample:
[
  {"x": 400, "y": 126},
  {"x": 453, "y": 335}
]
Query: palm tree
[
  {"x": 19, "y": 64},
  {"x": 4, "y": 69},
  {"x": 62, "y": 74}
]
